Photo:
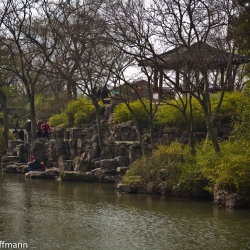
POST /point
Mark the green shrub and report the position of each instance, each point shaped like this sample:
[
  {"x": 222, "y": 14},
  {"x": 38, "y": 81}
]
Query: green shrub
[
  {"x": 166, "y": 115},
  {"x": 1, "y": 140},
  {"x": 230, "y": 168},
  {"x": 231, "y": 101},
  {"x": 147, "y": 168},
  {"x": 76, "y": 113},
  {"x": 10, "y": 137},
  {"x": 59, "y": 120},
  {"x": 179, "y": 166},
  {"x": 170, "y": 116},
  {"x": 241, "y": 123},
  {"x": 122, "y": 114},
  {"x": 1, "y": 118}
]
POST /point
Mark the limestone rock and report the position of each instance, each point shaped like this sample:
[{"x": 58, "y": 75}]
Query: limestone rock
[
  {"x": 76, "y": 176},
  {"x": 51, "y": 173},
  {"x": 122, "y": 161},
  {"x": 121, "y": 170},
  {"x": 108, "y": 163},
  {"x": 16, "y": 168}
]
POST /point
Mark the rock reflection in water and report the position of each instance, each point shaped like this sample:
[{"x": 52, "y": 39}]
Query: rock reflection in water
[{"x": 62, "y": 215}]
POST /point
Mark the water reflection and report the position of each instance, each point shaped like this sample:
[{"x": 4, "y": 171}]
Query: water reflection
[{"x": 53, "y": 215}]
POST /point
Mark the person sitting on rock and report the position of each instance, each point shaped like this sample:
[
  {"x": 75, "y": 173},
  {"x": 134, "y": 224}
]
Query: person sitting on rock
[
  {"x": 33, "y": 157},
  {"x": 43, "y": 166},
  {"x": 35, "y": 164}
]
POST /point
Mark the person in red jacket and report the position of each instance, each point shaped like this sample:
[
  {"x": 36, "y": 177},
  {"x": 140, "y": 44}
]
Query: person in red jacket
[{"x": 45, "y": 129}]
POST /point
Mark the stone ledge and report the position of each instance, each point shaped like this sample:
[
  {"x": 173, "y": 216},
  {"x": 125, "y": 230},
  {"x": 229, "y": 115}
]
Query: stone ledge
[
  {"x": 16, "y": 168},
  {"x": 51, "y": 173},
  {"x": 76, "y": 176}
]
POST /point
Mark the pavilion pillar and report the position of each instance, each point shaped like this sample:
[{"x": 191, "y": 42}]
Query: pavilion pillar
[
  {"x": 230, "y": 81},
  {"x": 160, "y": 83},
  {"x": 222, "y": 78},
  {"x": 155, "y": 79},
  {"x": 185, "y": 85},
  {"x": 177, "y": 78},
  {"x": 197, "y": 81}
]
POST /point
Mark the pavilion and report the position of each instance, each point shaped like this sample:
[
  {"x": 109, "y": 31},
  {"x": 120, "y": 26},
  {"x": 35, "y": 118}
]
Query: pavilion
[{"x": 199, "y": 58}]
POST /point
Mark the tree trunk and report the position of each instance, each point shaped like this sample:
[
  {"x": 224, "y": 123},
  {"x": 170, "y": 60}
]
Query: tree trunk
[
  {"x": 206, "y": 106},
  {"x": 210, "y": 129},
  {"x": 191, "y": 132},
  {"x": 33, "y": 115},
  {"x": 69, "y": 93},
  {"x": 151, "y": 120},
  {"x": 5, "y": 119},
  {"x": 99, "y": 126},
  {"x": 151, "y": 126},
  {"x": 74, "y": 90},
  {"x": 137, "y": 130}
]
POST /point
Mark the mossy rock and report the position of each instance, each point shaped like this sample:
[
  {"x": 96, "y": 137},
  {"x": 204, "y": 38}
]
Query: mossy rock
[
  {"x": 90, "y": 165},
  {"x": 132, "y": 180},
  {"x": 75, "y": 176}
]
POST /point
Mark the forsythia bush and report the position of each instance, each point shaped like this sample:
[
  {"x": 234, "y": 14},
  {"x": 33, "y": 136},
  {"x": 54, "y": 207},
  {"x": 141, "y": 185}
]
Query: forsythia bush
[
  {"x": 228, "y": 169},
  {"x": 76, "y": 113},
  {"x": 1, "y": 140},
  {"x": 168, "y": 115},
  {"x": 168, "y": 157},
  {"x": 122, "y": 114},
  {"x": 10, "y": 136}
]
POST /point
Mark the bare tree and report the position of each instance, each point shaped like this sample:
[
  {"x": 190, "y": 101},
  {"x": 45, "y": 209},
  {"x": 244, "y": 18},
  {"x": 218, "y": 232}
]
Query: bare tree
[
  {"x": 192, "y": 26},
  {"x": 187, "y": 38},
  {"x": 96, "y": 72},
  {"x": 84, "y": 55},
  {"x": 30, "y": 42},
  {"x": 5, "y": 6},
  {"x": 131, "y": 33},
  {"x": 79, "y": 26},
  {"x": 6, "y": 79}
]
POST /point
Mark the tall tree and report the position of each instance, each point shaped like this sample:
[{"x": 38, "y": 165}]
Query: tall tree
[
  {"x": 84, "y": 54},
  {"x": 239, "y": 26},
  {"x": 6, "y": 80},
  {"x": 27, "y": 35},
  {"x": 187, "y": 29}
]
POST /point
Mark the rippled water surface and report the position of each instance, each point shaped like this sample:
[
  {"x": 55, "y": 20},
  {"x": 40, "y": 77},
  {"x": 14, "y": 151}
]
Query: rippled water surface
[{"x": 52, "y": 215}]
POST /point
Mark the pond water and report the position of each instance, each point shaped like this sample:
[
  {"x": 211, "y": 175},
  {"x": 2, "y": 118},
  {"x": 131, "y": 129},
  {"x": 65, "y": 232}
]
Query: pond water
[{"x": 48, "y": 214}]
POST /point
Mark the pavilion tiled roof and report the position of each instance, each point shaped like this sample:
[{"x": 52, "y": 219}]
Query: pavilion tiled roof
[{"x": 197, "y": 55}]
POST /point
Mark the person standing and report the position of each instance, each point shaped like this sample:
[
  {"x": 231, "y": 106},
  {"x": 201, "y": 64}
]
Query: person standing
[
  {"x": 39, "y": 128},
  {"x": 94, "y": 92},
  {"x": 28, "y": 129},
  {"x": 98, "y": 93},
  {"x": 15, "y": 133},
  {"x": 21, "y": 134},
  {"x": 104, "y": 94},
  {"x": 45, "y": 129}
]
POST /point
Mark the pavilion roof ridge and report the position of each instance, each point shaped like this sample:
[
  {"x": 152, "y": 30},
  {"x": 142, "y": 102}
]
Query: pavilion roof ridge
[{"x": 182, "y": 55}]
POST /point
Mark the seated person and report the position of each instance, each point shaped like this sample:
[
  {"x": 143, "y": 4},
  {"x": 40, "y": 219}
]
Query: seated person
[
  {"x": 43, "y": 166},
  {"x": 35, "y": 164},
  {"x": 33, "y": 157}
]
